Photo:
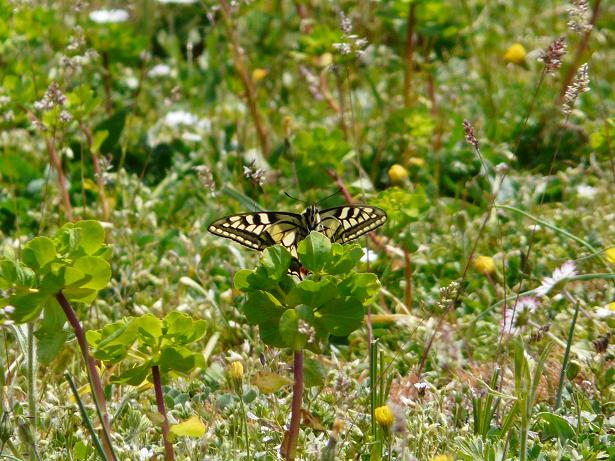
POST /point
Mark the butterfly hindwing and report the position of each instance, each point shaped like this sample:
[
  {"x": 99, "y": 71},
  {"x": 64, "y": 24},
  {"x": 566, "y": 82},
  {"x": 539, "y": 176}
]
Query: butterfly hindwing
[{"x": 345, "y": 223}]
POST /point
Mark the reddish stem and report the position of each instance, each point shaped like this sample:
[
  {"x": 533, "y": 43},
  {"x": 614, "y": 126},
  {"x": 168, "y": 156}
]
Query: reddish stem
[
  {"x": 295, "y": 415},
  {"x": 168, "y": 448},
  {"x": 97, "y": 389}
]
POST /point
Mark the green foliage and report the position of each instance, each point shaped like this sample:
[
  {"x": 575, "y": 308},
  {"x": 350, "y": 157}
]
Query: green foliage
[
  {"x": 301, "y": 314},
  {"x": 149, "y": 341}
]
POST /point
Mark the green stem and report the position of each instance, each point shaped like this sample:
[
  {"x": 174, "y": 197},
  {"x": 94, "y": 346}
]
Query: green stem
[
  {"x": 32, "y": 390},
  {"x": 562, "y": 375},
  {"x": 244, "y": 421}
]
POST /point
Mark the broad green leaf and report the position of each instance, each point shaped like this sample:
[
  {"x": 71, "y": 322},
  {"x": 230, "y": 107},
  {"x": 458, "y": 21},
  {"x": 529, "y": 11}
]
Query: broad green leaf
[
  {"x": 27, "y": 305},
  {"x": 192, "y": 427},
  {"x": 340, "y": 316},
  {"x": 112, "y": 342},
  {"x": 183, "y": 328},
  {"x": 98, "y": 138},
  {"x": 241, "y": 279},
  {"x": 556, "y": 426},
  {"x": 289, "y": 329},
  {"x": 149, "y": 328},
  {"x": 314, "y": 372},
  {"x": 260, "y": 307},
  {"x": 91, "y": 236},
  {"x": 51, "y": 336},
  {"x": 97, "y": 268},
  {"x": 268, "y": 382},
  {"x": 176, "y": 358},
  {"x": 276, "y": 260},
  {"x": 313, "y": 293},
  {"x": 133, "y": 376},
  {"x": 314, "y": 251},
  {"x": 343, "y": 258},
  {"x": 270, "y": 333},
  {"x": 39, "y": 252},
  {"x": 361, "y": 286}
]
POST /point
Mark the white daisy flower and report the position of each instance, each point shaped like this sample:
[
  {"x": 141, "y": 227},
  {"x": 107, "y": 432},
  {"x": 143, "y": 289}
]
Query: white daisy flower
[
  {"x": 109, "y": 16},
  {"x": 564, "y": 272},
  {"x": 515, "y": 316},
  {"x": 176, "y": 118},
  {"x": 159, "y": 70}
]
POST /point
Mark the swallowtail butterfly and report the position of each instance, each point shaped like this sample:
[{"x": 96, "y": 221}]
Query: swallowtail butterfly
[{"x": 266, "y": 228}]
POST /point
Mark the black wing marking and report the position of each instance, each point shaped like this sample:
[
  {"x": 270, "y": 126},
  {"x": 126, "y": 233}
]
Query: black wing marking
[
  {"x": 345, "y": 223},
  {"x": 262, "y": 229}
]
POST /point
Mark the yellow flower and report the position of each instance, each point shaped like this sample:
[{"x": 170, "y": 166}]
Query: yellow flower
[
  {"x": 235, "y": 370},
  {"x": 384, "y": 416},
  {"x": 484, "y": 264},
  {"x": 259, "y": 74},
  {"x": 515, "y": 54},
  {"x": 610, "y": 255},
  {"x": 443, "y": 458},
  {"x": 398, "y": 174}
]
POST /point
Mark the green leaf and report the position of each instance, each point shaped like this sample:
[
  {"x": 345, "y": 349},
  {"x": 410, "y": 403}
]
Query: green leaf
[
  {"x": 133, "y": 376},
  {"x": 112, "y": 342},
  {"x": 39, "y": 252},
  {"x": 51, "y": 336},
  {"x": 97, "y": 269},
  {"x": 241, "y": 279},
  {"x": 97, "y": 140},
  {"x": 556, "y": 426},
  {"x": 314, "y": 372},
  {"x": 289, "y": 330},
  {"x": 261, "y": 307},
  {"x": 192, "y": 427},
  {"x": 183, "y": 328},
  {"x": 276, "y": 260},
  {"x": 343, "y": 258},
  {"x": 27, "y": 305},
  {"x": 313, "y": 293},
  {"x": 269, "y": 332},
  {"x": 91, "y": 236},
  {"x": 361, "y": 286},
  {"x": 176, "y": 358},
  {"x": 149, "y": 328},
  {"x": 268, "y": 382},
  {"x": 341, "y": 316},
  {"x": 314, "y": 251}
]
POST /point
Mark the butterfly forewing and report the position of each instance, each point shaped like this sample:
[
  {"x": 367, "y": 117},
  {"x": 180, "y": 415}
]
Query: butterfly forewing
[{"x": 345, "y": 223}]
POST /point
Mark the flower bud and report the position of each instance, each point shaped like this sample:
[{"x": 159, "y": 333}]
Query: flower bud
[
  {"x": 398, "y": 174},
  {"x": 384, "y": 416},
  {"x": 235, "y": 370},
  {"x": 484, "y": 264}
]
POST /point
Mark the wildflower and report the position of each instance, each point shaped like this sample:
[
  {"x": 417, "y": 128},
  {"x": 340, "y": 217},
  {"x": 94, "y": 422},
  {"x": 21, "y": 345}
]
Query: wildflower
[
  {"x": 502, "y": 168},
  {"x": 384, "y": 416},
  {"x": 206, "y": 177},
  {"x": 564, "y": 272},
  {"x": 351, "y": 43},
  {"x": 421, "y": 388},
  {"x": 109, "y": 16},
  {"x": 176, "y": 118},
  {"x": 470, "y": 137},
  {"x": 552, "y": 56},
  {"x": 484, "y": 264},
  {"x": 398, "y": 174},
  {"x": 579, "y": 17},
  {"x": 448, "y": 294},
  {"x": 256, "y": 175},
  {"x": 259, "y": 74},
  {"x": 145, "y": 453},
  {"x": 579, "y": 85},
  {"x": 607, "y": 311},
  {"x": 587, "y": 192},
  {"x": 515, "y": 317},
  {"x": 65, "y": 116},
  {"x": 443, "y": 458},
  {"x": 159, "y": 70},
  {"x": 515, "y": 54},
  {"x": 53, "y": 97},
  {"x": 235, "y": 370},
  {"x": 610, "y": 255}
]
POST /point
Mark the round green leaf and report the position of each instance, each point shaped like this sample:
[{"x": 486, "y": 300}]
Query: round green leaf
[
  {"x": 340, "y": 316},
  {"x": 39, "y": 252},
  {"x": 289, "y": 329},
  {"x": 314, "y": 251}
]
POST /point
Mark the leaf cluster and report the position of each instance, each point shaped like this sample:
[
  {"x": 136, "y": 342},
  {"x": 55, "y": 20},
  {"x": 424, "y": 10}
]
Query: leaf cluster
[{"x": 299, "y": 314}]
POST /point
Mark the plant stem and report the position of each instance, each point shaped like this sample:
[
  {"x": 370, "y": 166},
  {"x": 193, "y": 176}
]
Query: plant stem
[
  {"x": 562, "y": 375},
  {"x": 96, "y": 385},
  {"x": 408, "y": 276},
  {"x": 168, "y": 448},
  {"x": 244, "y": 420},
  {"x": 32, "y": 389},
  {"x": 409, "y": 53},
  {"x": 295, "y": 416}
]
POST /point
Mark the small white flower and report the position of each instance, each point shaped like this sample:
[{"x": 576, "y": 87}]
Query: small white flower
[
  {"x": 159, "y": 70},
  {"x": 180, "y": 117},
  {"x": 585, "y": 191},
  {"x": 369, "y": 256},
  {"x": 601, "y": 312},
  {"x": 564, "y": 272},
  {"x": 510, "y": 323},
  {"x": 421, "y": 386},
  {"x": 109, "y": 16},
  {"x": 145, "y": 454}
]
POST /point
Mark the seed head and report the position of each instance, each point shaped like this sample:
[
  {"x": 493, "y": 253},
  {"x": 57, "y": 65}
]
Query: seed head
[
  {"x": 470, "y": 137},
  {"x": 552, "y": 56},
  {"x": 579, "y": 85}
]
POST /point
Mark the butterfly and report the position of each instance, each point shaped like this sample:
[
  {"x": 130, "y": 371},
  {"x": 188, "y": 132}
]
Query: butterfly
[{"x": 266, "y": 228}]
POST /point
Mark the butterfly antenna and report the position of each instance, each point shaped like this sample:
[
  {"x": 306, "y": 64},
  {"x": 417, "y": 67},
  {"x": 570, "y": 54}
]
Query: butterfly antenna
[
  {"x": 328, "y": 197},
  {"x": 294, "y": 198}
]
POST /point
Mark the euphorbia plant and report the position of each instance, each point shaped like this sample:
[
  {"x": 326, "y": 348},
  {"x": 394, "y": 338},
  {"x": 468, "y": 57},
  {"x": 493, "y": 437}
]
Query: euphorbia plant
[
  {"x": 304, "y": 314},
  {"x": 50, "y": 276},
  {"x": 154, "y": 349}
]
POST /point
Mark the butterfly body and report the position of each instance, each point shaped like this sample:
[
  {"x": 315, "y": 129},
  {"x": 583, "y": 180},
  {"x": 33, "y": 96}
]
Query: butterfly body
[{"x": 262, "y": 229}]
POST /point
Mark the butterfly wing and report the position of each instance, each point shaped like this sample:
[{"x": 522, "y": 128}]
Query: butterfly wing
[
  {"x": 261, "y": 230},
  {"x": 345, "y": 223}
]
